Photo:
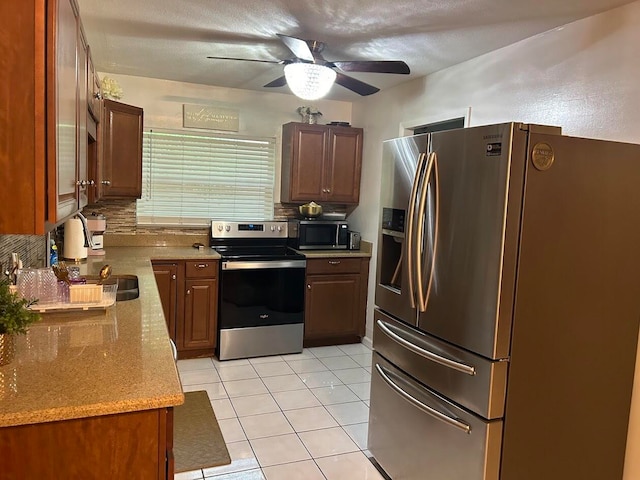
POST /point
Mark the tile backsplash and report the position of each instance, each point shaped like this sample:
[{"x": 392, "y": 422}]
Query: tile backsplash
[{"x": 32, "y": 250}]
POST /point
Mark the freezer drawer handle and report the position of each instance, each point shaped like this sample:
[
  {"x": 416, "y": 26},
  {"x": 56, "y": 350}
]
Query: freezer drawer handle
[
  {"x": 460, "y": 367},
  {"x": 425, "y": 408}
]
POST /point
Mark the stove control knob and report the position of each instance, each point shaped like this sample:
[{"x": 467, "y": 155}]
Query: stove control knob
[
  {"x": 220, "y": 227},
  {"x": 227, "y": 228},
  {"x": 273, "y": 228},
  {"x": 279, "y": 228}
]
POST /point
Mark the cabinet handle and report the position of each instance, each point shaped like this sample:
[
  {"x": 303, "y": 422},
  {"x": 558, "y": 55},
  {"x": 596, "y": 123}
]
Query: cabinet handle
[
  {"x": 328, "y": 190},
  {"x": 173, "y": 277},
  {"x": 202, "y": 265},
  {"x": 189, "y": 292},
  {"x": 97, "y": 95},
  {"x": 106, "y": 182},
  {"x": 324, "y": 190},
  {"x": 334, "y": 262},
  {"x": 308, "y": 286}
]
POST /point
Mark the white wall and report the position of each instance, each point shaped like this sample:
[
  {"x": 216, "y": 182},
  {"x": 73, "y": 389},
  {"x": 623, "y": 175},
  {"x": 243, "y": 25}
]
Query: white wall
[
  {"x": 260, "y": 114},
  {"x": 584, "y": 77}
]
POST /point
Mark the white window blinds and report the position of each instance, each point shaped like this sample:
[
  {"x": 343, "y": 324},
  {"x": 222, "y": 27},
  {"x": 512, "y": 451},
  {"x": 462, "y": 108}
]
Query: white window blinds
[{"x": 190, "y": 178}]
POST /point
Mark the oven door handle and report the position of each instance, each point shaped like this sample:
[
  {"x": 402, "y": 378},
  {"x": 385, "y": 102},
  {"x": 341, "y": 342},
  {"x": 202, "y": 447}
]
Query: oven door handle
[{"x": 263, "y": 265}]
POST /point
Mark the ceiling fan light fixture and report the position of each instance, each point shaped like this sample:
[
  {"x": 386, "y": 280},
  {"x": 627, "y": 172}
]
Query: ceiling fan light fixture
[{"x": 309, "y": 81}]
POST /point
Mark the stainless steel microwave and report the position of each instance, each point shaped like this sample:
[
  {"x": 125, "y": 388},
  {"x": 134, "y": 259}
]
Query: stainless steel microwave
[{"x": 318, "y": 234}]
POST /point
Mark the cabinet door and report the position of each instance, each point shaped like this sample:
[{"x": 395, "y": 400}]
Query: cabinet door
[
  {"x": 343, "y": 165},
  {"x": 93, "y": 88},
  {"x": 122, "y": 150},
  {"x": 309, "y": 149},
  {"x": 332, "y": 306},
  {"x": 166, "y": 279},
  {"x": 81, "y": 82},
  {"x": 63, "y": 105},
  {"x": 200, "y": 314}
]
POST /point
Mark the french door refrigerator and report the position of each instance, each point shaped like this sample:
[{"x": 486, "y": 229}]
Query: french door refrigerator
[{"x": 508, "y": 304}]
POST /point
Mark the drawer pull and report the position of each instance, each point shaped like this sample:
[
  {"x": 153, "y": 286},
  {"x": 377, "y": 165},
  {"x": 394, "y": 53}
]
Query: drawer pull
[
  {"x": 173, "y": 277},
  {"x": 308, "y": 286},
  {"x": 202, "y": 265},
  {"x": 334, "y": 262},
  {"x": 189, "y": 292}
]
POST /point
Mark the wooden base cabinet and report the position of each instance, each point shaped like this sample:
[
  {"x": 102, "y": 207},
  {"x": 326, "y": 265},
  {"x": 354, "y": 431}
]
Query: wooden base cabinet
[
  {"x": 189, "y": 295},
  {"x": 336, "y": 300},
  {"x": 122, "y": 446},
  {"x": 167, "y": 281}
]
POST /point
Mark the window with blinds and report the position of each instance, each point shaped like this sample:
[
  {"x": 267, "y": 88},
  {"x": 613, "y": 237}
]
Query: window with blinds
[{"x": 190, "y": 178}]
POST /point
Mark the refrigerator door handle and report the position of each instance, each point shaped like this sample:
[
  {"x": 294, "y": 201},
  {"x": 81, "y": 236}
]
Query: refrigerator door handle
[
  {"x": 409, "y": 235},
  {"x": 434, "y": 357},
  {"x": 418, "y": 404},
  {"x": 432, "y": 169}
]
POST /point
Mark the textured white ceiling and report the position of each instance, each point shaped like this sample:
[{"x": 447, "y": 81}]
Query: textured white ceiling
[{"x": 170, "y": 39}]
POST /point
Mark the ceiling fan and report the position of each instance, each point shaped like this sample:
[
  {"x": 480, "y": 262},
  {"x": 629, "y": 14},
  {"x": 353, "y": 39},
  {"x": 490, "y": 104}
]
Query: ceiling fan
[{"x": 310, "y": 76}]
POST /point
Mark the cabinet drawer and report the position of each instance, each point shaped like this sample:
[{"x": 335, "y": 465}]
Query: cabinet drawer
[
  {"x": 333, "y": 265},
  {"x": 201, "y": 269}
]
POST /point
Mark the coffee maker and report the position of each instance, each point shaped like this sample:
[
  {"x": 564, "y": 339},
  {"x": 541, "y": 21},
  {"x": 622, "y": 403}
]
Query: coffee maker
[{"x": 96, "y": 224}]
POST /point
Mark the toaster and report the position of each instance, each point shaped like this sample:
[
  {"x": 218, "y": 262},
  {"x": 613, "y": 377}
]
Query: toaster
[{"x": 354, "y": 240}]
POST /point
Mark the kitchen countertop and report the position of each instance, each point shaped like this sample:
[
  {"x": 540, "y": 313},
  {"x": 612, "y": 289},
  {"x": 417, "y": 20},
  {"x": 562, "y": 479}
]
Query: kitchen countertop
[
  {"x": 89, "y": 363},
  {"x": 81, "y": 364}
]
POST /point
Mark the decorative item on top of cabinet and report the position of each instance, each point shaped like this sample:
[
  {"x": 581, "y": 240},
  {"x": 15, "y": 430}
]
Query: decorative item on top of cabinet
[
  {"x": 336, "y": 300},
  {"x": 321, "y": 163},
  {"x": 121, "y": 139}
]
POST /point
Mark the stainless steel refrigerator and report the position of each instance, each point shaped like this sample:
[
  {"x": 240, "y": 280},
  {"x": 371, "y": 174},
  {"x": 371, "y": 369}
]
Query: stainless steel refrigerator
[{"x": 508, "y": 304}]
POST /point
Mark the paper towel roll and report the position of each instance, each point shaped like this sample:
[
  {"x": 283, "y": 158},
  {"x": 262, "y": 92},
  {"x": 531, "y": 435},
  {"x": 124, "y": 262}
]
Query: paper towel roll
[{"x": 74, "y": 248}]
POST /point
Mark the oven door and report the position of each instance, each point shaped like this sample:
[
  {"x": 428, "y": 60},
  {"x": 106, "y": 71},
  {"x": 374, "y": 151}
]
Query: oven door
[
  {"x": 261, "y": 293},
  {"x": 261, "y": 309}
]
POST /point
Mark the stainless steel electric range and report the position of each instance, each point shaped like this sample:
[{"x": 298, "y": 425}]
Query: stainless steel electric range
[{"x": 261, "y": 292}]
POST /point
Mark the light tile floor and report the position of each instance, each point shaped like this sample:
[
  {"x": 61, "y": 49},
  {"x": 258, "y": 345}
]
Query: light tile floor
[{"x": 289, "y": 417}]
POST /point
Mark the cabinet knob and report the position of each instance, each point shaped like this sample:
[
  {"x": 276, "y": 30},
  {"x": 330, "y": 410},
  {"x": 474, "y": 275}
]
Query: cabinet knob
[
  {"x": 334, "y": 262},
  {"x": 173, "y": 277},
  {"x": 189, "y": 292},
  {"x": 106, "y": 182},
  {"x": 328, "y": 190},
  {"x": 98, "y": 96},
  {"x": 308, "y": 286},
  {"x": 82, "y": 183}
]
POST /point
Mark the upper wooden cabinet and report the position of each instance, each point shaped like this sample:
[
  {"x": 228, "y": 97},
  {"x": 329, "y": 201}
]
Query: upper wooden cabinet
[
  {"x": 43, "y": 133},
  {"x": 93, "y": 88},
  {"x": 321, "y": 163},
  {"x": 121, "y": 158}
]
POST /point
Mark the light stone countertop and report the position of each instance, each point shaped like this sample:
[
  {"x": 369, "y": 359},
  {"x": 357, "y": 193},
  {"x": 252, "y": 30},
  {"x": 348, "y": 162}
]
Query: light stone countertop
[
  {"x": 364, "y": 252},
  {"x": 82, "y": 364},
  {"x": 89, "y": 363}
]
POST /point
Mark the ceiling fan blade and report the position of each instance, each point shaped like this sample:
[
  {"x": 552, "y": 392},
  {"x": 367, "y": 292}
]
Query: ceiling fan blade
[
  {"x": 278, "y": 82},
  {"x": 247, "y": 60},
  {"x": 354, "y": 85},
  {"x": 299, "y": 47},
  {"x": 375, "y": 66}
]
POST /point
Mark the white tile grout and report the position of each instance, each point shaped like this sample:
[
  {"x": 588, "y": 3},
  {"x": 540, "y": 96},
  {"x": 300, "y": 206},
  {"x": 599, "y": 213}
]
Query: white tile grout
[{"x": 348, "y": 351}]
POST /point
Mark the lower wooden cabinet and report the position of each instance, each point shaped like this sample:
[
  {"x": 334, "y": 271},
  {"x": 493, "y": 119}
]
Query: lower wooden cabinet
[
  {"x": 189, "y": 295},
  {"x": 167, "y": 280},
  {"x": 121, "y": 446},
  {"x": 336, "y": 300}
]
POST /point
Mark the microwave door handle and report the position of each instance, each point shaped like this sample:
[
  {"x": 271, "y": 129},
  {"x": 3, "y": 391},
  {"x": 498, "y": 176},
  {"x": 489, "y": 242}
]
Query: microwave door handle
[
  {"x": 419, "y": 250},
  {"x": 409, "y": 234},
  {"x": 420, "y": 405}
]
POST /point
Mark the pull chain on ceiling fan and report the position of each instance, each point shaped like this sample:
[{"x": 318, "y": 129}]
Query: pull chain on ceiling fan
[{"x": 310, "y": 76}]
